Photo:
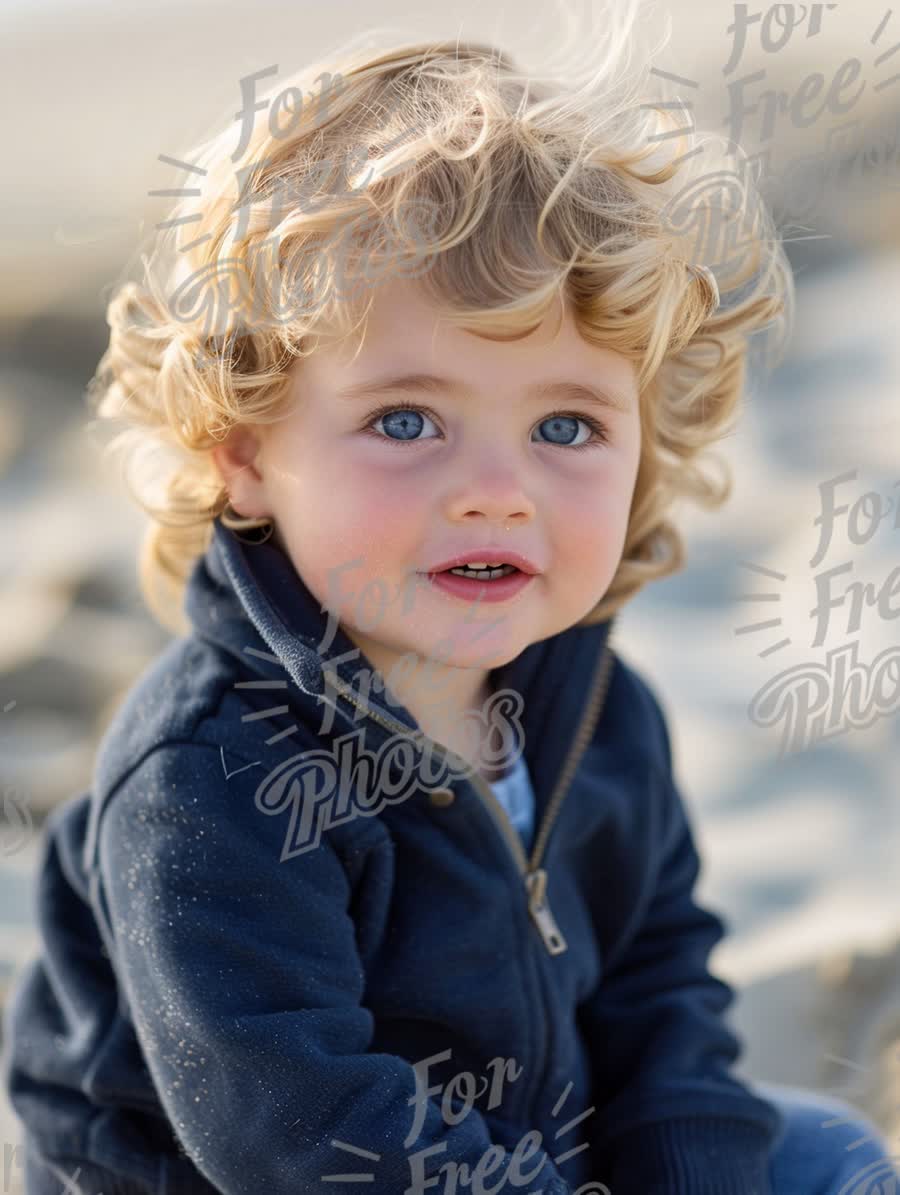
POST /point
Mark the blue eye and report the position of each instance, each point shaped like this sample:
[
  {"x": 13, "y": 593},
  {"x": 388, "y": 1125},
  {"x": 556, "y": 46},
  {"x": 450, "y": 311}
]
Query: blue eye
[
  {"x": 563, "y": 429},
  {"x": 403, "y": 424},
  {"x": 565, "y": 422},
  {"x": 400, "y": 423}
]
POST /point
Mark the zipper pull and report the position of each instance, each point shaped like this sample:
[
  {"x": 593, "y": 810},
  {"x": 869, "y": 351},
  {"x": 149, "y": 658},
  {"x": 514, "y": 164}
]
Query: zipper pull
[{"x": 536, "y": 884}]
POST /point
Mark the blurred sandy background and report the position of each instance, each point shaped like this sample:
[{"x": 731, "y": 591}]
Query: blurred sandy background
[{"x": 801, "y": 846}]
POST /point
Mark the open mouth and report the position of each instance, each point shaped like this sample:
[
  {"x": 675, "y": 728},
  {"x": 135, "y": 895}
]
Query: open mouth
[
  {"x": 482, "y": 571},
  {"x": 481, "y": 580}
]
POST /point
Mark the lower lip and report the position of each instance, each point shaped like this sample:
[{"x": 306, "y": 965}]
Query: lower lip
[{"x": 471, "y": 589}]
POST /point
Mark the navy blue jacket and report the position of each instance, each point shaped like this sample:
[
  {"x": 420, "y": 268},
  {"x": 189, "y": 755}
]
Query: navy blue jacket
[{"x": 252, "y": 979}]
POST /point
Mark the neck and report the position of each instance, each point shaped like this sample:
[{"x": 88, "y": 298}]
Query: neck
[{"x": 447, "y": 703}]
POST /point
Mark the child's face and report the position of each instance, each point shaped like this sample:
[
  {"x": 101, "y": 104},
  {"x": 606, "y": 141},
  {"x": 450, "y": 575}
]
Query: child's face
[{"x": 364, "y": 514}]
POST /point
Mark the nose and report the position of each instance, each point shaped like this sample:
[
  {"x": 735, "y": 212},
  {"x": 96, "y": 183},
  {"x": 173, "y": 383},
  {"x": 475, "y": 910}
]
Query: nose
[{"x": 490, "y": 490}]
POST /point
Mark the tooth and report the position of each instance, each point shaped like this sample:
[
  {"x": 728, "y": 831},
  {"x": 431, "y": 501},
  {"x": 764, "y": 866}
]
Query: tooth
[{"x": 486, "y": 572}]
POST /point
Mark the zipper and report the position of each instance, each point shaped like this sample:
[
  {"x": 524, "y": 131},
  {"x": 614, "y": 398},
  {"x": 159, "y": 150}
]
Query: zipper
[{"x": 533, "y": 875}]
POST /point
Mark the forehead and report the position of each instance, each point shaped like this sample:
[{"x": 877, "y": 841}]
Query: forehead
[{"x": 407, "y": 334}]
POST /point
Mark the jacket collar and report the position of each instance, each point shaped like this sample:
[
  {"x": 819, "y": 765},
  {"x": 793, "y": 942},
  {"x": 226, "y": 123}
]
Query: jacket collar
[{"x": 249, "y": 599}]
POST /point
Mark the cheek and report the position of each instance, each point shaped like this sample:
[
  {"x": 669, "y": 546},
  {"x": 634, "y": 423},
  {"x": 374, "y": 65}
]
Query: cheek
[
  {"x": 339, "y": 494},
  {"x": 353, "y": 538},
  {"x": 588, "y": 532},
  {"x": 593, "y": 509},
  {"x": 382, "y": 527}
]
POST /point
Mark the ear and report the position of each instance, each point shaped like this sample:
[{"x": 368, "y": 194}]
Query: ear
[{"x": 234, "y": 458}]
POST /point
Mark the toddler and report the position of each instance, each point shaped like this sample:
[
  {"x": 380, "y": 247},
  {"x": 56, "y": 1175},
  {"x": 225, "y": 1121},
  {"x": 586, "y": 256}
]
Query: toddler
[{"x": 384, "y": 881}]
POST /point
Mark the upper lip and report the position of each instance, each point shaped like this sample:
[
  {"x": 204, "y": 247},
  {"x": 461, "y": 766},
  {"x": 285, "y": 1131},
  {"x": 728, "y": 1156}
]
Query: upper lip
[{"x": 487, "y": 553}]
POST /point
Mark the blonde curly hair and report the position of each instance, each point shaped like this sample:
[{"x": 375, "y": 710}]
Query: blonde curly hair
[{"x": 502, "y": 192}]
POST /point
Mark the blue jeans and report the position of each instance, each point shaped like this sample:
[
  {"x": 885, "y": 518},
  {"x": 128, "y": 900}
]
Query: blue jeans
[{"x": 828, "y": 1147}]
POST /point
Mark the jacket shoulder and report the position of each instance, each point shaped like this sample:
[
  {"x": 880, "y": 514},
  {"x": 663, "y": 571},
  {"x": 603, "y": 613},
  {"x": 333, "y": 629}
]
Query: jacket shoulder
[
  {"x": 194, "y": 691},
  {"x": 176, "y": 692},
  {"x": 634, "y": 717},
  {"x": 193, "y": 723}
]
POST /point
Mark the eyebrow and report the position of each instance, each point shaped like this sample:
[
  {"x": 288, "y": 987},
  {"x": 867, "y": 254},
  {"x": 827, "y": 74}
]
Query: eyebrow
[{"x": 603, "y": 396}]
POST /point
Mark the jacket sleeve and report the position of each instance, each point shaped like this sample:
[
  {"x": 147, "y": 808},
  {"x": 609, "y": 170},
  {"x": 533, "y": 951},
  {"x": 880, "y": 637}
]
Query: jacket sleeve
[
  {"x": 671, "y": 1117},
  {"x": 244, "y": 985}
]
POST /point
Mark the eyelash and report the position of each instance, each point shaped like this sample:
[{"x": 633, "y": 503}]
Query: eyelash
[{"x": 599, "y": 430}]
